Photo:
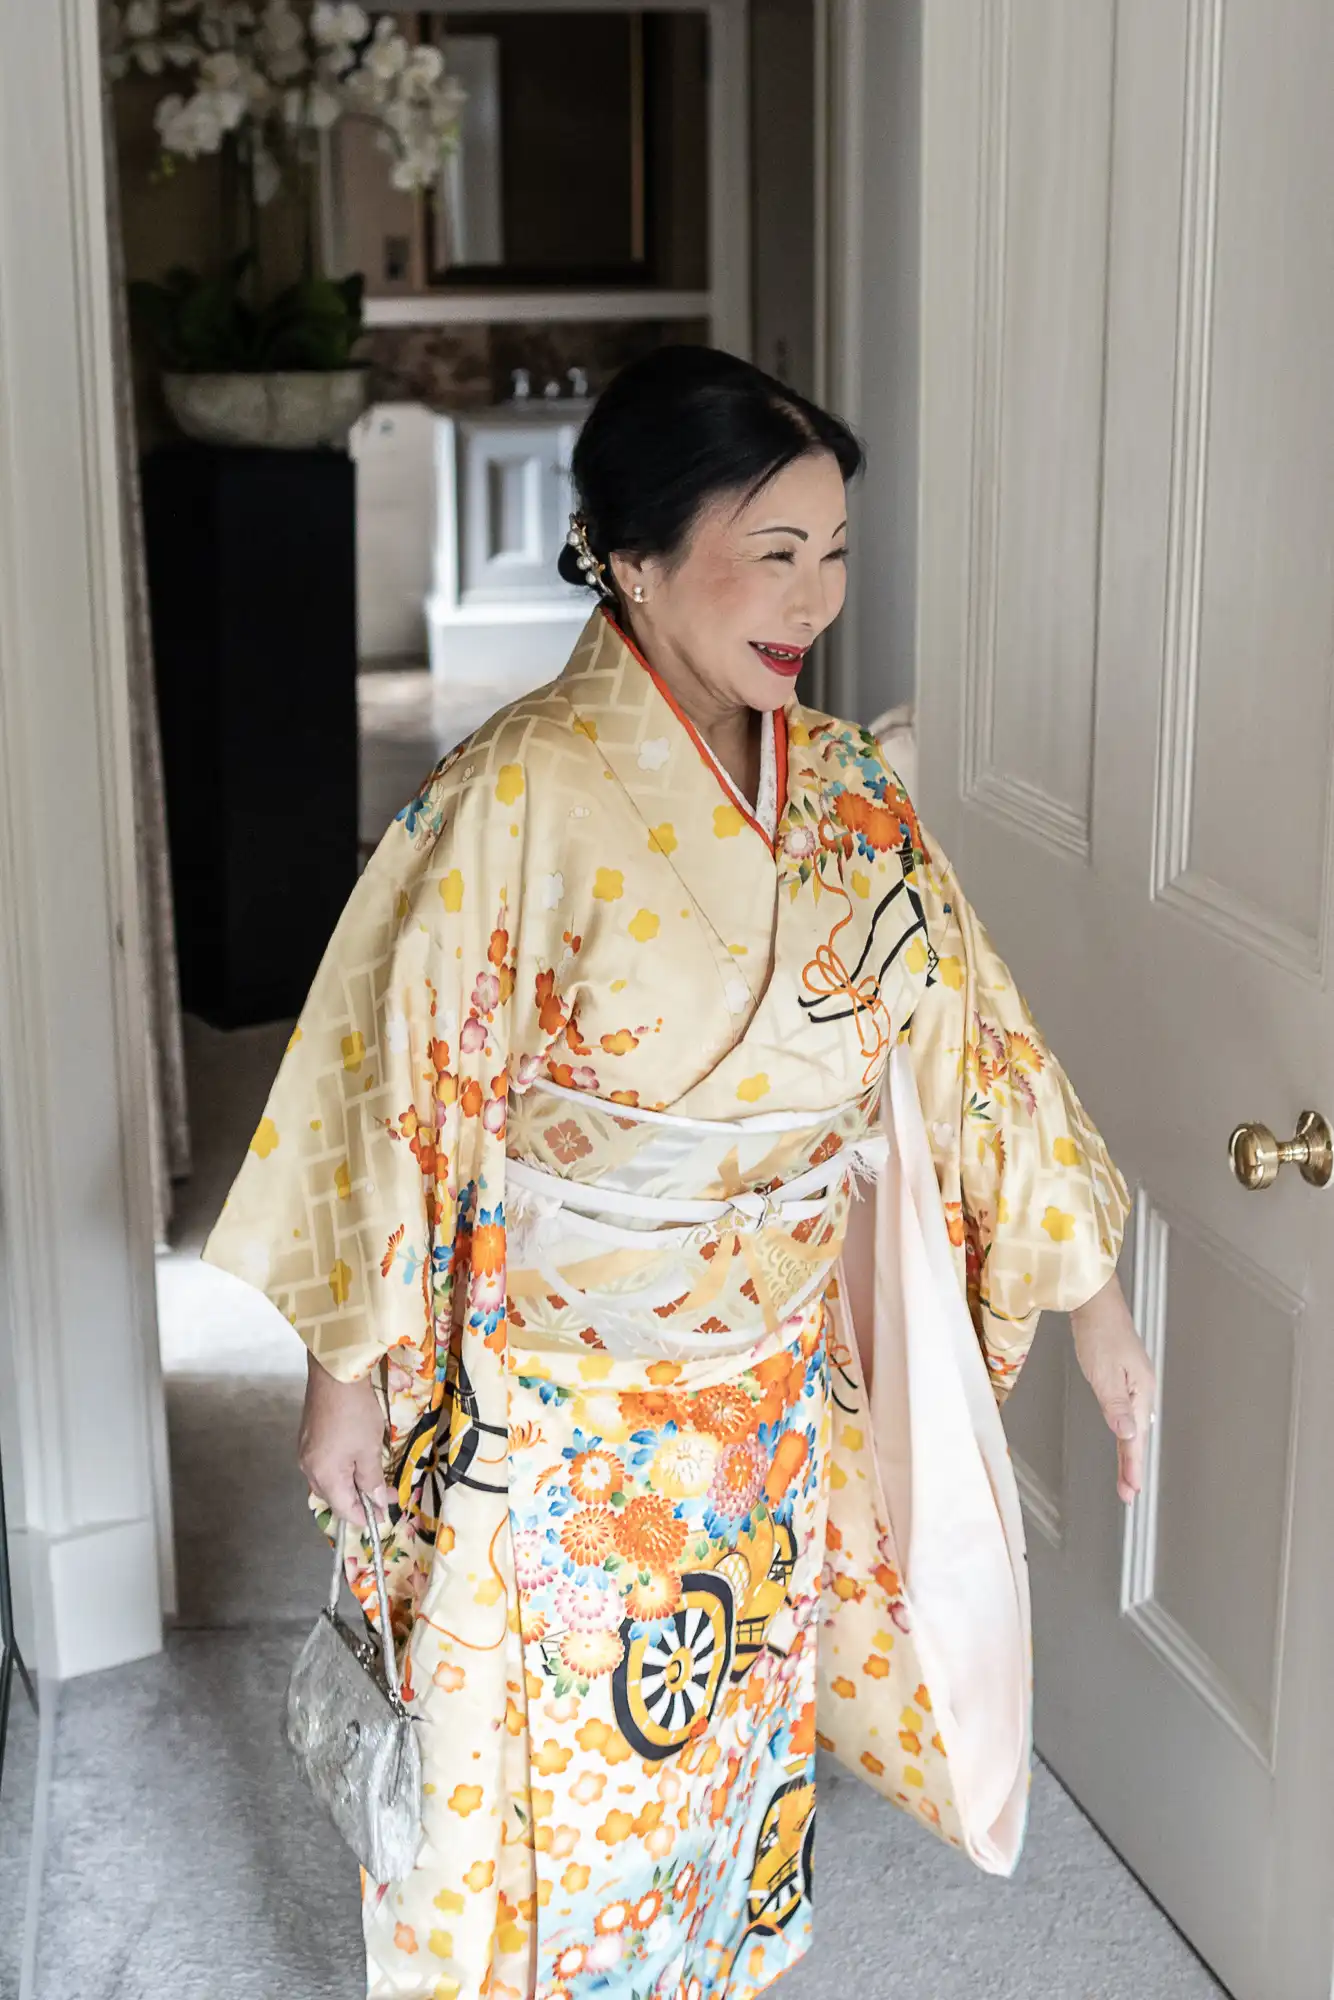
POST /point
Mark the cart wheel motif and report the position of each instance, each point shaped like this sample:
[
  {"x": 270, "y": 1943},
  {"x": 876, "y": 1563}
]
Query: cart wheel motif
[
  {"x": 782, "y": 1876},
  {"x": 672, "y": 1675}
]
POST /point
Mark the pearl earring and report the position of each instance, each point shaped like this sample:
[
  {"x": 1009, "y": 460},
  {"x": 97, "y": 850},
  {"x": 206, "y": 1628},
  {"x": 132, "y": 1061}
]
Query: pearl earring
[{"x": 639, "y": 593}]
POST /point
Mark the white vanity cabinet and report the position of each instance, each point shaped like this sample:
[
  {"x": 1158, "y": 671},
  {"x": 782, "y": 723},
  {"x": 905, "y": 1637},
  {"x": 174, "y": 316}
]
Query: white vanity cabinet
[{"x": 498, "y": 610}]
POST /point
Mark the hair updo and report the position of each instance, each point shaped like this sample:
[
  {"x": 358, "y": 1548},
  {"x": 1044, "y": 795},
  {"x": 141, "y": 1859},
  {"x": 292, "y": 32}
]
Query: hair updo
[{"x": 677, "y": 429}]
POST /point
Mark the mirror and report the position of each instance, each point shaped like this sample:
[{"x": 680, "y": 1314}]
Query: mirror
[{"x": 583, "y": 151}]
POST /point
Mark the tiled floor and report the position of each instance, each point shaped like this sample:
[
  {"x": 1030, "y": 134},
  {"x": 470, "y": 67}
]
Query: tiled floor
[{"x": 407, "y": 725}]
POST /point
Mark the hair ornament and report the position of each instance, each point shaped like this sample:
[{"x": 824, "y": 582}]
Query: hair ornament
[{"x": 595, "y": 572}]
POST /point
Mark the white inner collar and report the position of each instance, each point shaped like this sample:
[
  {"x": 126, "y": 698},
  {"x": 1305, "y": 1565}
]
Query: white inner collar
[{"x": 765, "y": 808}]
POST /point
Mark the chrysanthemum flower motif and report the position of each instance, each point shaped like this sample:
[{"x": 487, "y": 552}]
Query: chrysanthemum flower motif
[
  {"x": 589, "y": 1603},
  {"x": 724, "y": 1409},
  {"x": 532, "y": 1559},
  {"x": 654, "y": 1595},
  {"x": 589, "y": 1536},
  {"x": 592, "y": 1654},
  {"x": 683, "y": 1464},
  {"x": 595, "y": 1476},
  {"x": 570, "y": 1962},
  {"x": 800, "y": 842},
  {"x": 739, "y": 1480},
  {"x": 647, "y": 1909},
  {"x": 613, "y": 1917},
  {"x": 648, "y": 1531}
]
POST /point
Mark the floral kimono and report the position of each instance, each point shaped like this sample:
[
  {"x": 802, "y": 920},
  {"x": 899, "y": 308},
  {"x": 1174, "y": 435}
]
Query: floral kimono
[{"x": 561, "y": 1156}]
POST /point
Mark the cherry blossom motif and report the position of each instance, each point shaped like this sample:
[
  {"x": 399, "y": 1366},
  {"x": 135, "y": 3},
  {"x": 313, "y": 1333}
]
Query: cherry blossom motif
[
  {"x": 605, "y": 1952},
  {"x": 472, "y": 1037},
  {"x": 486, "y": 993},
  {"x": 567, "y": 1142}
]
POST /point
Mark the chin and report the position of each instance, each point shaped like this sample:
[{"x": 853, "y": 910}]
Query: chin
[{"x": 766, "y": 690}]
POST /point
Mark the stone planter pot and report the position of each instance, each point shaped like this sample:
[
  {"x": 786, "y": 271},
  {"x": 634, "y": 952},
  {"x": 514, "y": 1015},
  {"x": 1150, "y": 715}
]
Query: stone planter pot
[{"x": 289, "y": 410}]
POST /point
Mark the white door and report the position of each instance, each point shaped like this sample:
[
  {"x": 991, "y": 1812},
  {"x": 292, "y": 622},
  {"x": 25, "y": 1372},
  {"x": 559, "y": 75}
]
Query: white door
[{"x": 1126, "y": 616}]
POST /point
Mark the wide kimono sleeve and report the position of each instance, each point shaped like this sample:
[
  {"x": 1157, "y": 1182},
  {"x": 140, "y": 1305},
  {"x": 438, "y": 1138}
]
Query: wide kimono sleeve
[
  {"x": 1036, "y": 1208},
  {"x": 370, "y": 1205}
]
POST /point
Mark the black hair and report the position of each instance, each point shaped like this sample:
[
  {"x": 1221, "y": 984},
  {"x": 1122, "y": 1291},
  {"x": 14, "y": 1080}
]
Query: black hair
[{"x": 674, "y": 430}]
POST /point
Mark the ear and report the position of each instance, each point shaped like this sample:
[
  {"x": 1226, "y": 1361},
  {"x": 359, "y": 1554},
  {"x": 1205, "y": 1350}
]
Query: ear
[{"x": 628, "y": 570}]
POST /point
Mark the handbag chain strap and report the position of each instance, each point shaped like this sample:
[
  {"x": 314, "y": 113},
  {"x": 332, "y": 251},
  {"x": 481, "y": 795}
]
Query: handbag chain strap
[{"x": 382, "y": 1591}]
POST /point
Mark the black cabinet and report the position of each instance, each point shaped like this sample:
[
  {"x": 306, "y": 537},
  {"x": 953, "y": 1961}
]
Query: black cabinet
[{"x": 252, "y": 582}]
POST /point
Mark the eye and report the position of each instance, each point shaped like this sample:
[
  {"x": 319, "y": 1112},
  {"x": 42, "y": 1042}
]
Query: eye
[
  {"x": 781, "y": 555},
  {"x": 837, "y": 555}
]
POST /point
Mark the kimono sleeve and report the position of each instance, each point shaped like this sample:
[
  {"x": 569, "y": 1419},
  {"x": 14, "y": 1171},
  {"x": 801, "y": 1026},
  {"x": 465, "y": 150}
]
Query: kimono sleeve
[
  {"x": 388, "y": 1110},
  {"x": 1035, "y": 1206}
]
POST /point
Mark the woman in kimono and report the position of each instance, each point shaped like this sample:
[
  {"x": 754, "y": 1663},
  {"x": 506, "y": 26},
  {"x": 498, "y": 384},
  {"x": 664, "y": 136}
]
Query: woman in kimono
[{"x": 657, "y": 974}]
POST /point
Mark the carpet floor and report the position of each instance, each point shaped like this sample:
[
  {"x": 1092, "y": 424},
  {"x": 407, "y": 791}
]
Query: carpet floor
[{"x": 183, "y": 1858}]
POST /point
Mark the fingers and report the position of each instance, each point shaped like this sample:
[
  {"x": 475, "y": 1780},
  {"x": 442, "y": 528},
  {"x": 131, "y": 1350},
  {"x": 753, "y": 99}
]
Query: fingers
[
  {"x": 1129, "y": 1467},
  {"x": 337, "y": 1487}
]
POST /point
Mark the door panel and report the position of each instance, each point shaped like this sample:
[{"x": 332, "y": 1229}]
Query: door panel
[{"x": 1127, "y": 601}]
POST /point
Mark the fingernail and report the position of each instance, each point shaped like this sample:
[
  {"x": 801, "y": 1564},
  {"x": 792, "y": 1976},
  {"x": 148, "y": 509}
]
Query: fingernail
[{"x": 1125, "y": 1427}]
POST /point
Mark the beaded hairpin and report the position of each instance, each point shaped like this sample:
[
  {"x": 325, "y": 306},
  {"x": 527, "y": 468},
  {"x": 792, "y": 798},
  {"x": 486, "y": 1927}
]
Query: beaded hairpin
[{"x": 595, "y": 572}]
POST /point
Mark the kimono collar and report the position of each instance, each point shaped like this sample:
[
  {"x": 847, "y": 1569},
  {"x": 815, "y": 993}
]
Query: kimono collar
[{"x": 625, "y": 707}]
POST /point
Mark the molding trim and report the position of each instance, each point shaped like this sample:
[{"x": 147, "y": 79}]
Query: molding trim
[
  {"x": 1019, "y": 803},
  {"x": 840, "y": 169},
  {"x": 473, "y": 308},
  {"x": 74, "y": 1161},
  {"x": 1163, "y": 1634},
  {"x": 1193, "y": 892},
  {"x": 1041, "y": 1506}
]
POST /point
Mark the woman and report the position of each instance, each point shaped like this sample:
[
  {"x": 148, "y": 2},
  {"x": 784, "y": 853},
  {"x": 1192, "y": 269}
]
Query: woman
[{"x": 628, "y": 983}]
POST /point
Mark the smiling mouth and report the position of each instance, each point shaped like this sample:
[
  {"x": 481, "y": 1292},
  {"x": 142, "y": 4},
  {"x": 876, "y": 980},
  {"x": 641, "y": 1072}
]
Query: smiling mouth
[{"x": 783, "y": 659}]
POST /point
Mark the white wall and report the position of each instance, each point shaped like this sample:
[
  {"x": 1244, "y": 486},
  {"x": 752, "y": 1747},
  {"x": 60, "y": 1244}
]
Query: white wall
[
  {"x": 874, "y": 361},
  {"x": 394, "y": 447},
  {"x": 77, "y": 1255}
]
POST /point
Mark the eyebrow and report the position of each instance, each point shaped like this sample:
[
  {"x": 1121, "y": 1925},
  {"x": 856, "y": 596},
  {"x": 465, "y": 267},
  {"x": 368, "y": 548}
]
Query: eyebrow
[{"x": 779, "y": 529}]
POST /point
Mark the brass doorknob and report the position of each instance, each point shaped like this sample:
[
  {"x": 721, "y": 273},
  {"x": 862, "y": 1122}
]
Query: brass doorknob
[{"x": 1256, "y": 1155}]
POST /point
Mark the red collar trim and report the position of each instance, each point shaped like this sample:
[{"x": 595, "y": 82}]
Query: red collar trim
[{"x": 780, "y": 740}]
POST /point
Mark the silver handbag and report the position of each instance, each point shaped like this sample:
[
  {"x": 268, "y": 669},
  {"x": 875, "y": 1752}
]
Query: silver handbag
[{"x": 351, "y": 1733}]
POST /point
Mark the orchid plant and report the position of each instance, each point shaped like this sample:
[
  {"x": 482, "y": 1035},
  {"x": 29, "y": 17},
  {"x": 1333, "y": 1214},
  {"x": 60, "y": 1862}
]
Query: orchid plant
[{"x": 271, "y": 78}]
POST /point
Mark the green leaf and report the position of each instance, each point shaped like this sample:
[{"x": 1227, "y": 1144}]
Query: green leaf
[{"x": 199, "y": 324}]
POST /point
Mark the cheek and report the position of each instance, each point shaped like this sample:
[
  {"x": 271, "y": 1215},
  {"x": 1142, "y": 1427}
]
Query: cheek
[{"x": 729, "y": 596}]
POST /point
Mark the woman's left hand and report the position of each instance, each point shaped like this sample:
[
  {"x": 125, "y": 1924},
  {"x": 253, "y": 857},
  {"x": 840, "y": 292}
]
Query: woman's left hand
[{"x": 1121, "y": 1375}]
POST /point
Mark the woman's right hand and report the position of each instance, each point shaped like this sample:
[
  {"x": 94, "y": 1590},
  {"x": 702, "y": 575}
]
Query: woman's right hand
[{"x": 341, "y": 1443}]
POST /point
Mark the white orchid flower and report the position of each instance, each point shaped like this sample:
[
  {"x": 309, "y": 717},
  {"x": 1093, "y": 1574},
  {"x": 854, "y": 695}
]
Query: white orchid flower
[
  {"x": 339, "y": 21},
  {"x": 323, "y": 109}
]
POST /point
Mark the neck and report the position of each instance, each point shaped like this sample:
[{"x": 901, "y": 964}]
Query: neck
[{"x": 731, "y": 729}]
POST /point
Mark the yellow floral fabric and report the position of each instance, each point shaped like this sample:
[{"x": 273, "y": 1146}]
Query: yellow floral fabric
[
  {"x": 1036, "y": 1208},
  {"x": 611, "y": 1575}
]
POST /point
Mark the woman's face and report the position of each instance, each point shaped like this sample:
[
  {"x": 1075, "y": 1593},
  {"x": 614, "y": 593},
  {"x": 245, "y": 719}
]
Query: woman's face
[{"x": 734, "y": 615}]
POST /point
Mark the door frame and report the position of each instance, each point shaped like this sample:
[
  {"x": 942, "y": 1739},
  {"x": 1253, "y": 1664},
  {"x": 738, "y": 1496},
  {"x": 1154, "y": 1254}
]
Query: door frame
[
  {"x": 868, "y": 262},
  {"x": 75, "y": 1155}
]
